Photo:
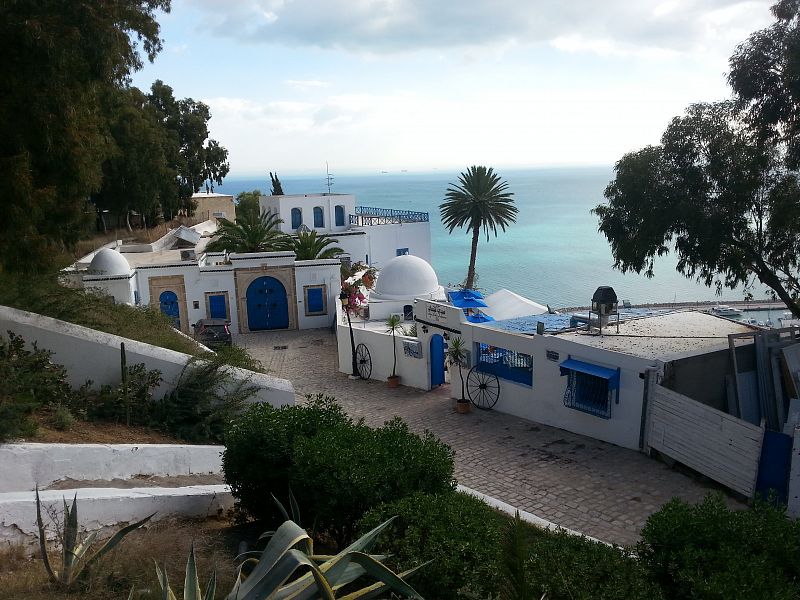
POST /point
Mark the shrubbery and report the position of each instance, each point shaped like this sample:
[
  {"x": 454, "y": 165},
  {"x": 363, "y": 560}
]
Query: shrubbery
[
  {"x": 460, "y": 533},
  {"x": 468, "y": 542},
  {"x": 709, "y": 551},
  {"x": 337, "y": 468},
  {"x": 29, "y": 380}
]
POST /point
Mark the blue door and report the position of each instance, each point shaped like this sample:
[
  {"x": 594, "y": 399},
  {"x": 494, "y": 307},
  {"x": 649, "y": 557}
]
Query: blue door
[
  {"x": 437, "y": 360},
  {"x": 267, "y": 305},
  {"x": 216, "y": 307},
  {"x": 169, "y": 306}
]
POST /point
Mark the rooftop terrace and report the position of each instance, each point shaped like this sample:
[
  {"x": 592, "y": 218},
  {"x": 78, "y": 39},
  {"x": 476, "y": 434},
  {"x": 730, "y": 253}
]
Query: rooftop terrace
[{"x": 369, "y": 215}]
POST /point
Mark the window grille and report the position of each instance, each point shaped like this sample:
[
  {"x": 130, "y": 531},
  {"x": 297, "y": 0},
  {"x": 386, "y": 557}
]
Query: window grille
[
  {"x": 506, "y": 364},
  {"x": 297, "y": 218},
  {"x": 319, "y": 219},
  {"x": 339, "y": 214},
  {"x": 589, "y": 394}
]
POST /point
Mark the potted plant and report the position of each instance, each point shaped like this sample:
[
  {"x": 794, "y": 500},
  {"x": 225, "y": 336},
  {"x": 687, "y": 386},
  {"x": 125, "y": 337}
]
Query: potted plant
[
  {"x": 394, "y": 324},
  {"x": 457, "y": 355}
]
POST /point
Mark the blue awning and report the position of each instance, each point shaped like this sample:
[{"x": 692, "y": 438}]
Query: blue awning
[{"x": 612, "y": 375}]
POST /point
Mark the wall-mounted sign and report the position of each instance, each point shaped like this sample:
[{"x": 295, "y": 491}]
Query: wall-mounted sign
[
  {"x": 435, "y": 313},
  {"x": 412, "y": 349}
]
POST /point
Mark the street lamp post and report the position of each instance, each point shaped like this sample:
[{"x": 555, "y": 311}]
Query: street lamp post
[{"x": 344, "y": 298}]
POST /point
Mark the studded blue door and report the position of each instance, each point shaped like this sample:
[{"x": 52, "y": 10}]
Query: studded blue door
[
  {"x": 437, "y": 360},
  {"x": 169, "y": 306},
  {"x": 216, "y": 307},
  {"x": 267, "y": 305}
]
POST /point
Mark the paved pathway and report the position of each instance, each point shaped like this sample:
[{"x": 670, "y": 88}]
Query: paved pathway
[{"x": 580, "y": 483}]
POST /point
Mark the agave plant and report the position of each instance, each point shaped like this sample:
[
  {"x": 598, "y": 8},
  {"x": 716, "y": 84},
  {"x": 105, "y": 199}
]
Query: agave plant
[
  {"x": 191, "y": 582},
  {"x": 73, "y": 555}
]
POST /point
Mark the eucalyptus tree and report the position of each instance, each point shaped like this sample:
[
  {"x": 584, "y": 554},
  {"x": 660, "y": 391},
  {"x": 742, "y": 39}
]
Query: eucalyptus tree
[
  {"x": 480, "y": 201},
  {"x": 250, "y": 233},
  {"x": 307, "y": 245}
]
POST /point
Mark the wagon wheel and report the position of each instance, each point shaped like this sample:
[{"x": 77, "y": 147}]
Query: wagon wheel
[
  {"x": 483, "y": 389},
  {"x": 363, "y": 361}
]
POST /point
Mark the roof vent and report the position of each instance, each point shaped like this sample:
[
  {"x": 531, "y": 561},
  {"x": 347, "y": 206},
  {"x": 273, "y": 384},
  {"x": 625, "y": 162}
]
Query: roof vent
[{"x": 604, "y": 303}]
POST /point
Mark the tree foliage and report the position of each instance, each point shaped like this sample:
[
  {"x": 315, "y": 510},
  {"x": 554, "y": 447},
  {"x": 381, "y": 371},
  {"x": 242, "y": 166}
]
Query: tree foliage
[
  {"x": 250, "y": 233},
  {"x": 60, "y": 60},
  {"x": 479, "y": 201},
  {"x": 307, "y": 245},
  {"x": 722, "y": 189},
  {"x": 277, "y": 188},
  {"x": 248, "y": 203}
]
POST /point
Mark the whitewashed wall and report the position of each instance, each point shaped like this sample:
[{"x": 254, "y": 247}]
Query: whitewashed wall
[
  {"x": 384, "y": 241},
  {"x": 317, "y": 272},
  {"x": 283, "y": 205},
  {"x": 544, "y": 401},
  {"x": 93, "y": 355},
  {"x": 413, "y": 372}
]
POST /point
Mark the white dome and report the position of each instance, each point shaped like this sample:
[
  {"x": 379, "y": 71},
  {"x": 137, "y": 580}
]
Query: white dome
[
  {"x": 406, "y": 276},
  {"x": 110, "y": 263}
]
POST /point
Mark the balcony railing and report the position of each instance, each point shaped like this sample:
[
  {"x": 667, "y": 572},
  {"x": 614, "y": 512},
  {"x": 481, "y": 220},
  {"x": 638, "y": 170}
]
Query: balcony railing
[{"x": 368, "y": 215}]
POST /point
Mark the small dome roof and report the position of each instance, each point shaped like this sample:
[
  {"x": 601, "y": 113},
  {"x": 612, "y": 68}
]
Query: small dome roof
[
  {"x": 109, "y": 262},
  {"x": 406, "y": 276}
]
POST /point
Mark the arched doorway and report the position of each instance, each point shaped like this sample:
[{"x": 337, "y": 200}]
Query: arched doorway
[
  {"x": 437, "y": 360},
  {"x": 168, "y": 302},
  {"x": 267, "y": 305}
]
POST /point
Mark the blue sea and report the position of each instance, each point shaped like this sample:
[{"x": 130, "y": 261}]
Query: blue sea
[{"x": 553, "y": 254}]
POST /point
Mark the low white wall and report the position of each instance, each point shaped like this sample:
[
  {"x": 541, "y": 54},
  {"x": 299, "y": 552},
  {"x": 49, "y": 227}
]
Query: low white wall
[
  {"x": 413, "y": 372},
  {"x": 24, "y": 466},
  {"x": 106, "y": 509},
  {"x": 93, "y": 355}
]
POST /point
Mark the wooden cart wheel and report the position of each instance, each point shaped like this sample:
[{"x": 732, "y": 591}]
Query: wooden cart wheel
[
  {"x": 363, "y": 361},
  {"x": 483, "y": 388}
]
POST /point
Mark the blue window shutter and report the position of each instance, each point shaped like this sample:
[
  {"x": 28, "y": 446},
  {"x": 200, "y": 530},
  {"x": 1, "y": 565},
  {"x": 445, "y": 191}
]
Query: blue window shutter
[
  {"x": 339, "y": 210},
  {"x": 297, "y": 218},
  {"x": 316, "y": 303}
]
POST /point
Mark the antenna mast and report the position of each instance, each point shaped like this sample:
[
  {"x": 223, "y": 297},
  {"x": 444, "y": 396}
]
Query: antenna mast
[{"x": 328, "y": 177}]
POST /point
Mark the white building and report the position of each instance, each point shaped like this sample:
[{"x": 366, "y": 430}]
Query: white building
[
  {"x": 556, "y": 373},
  {"x": 372, "y": 236},
  {"x": 255, "y": 292}
]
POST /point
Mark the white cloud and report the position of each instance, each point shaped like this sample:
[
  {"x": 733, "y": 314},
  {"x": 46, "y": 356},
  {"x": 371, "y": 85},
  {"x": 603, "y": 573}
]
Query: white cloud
[
  {"x": 386, "y": 26},
  {"x": 306, "y": 84}
]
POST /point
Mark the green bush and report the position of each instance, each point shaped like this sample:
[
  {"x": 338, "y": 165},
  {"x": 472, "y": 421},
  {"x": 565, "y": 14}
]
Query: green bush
[
  {"x": 460, "y": 533},
  {"x": 235, "y": 356},
  {"x": 566, "y": 567},
  {"x": 259, "y": 445},
  {"x": 478, "y": 552},
  {"x": 203, "y": 403},
  {"x": 29, "y": 380},
  {"x": 336, "y": 467},
  {"x": 709, "y": 551},
  {"x": 132, "y": 398},
  {"x": 345, "y": 470}
]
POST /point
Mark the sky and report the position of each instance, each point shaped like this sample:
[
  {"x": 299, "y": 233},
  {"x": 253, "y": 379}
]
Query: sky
[{"x": 374, "y": 85}]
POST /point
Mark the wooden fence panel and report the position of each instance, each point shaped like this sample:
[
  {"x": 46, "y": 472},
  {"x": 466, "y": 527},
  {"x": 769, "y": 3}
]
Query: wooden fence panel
[{"x": 714, "y": 443}]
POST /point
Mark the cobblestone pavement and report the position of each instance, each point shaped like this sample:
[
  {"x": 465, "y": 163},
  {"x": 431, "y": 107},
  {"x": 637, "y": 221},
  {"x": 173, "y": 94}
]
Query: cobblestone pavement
[{"x": 577, "y": 482}]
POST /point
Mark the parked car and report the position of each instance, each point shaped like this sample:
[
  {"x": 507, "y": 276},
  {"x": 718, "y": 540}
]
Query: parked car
[{"x": 212, "y": 332}]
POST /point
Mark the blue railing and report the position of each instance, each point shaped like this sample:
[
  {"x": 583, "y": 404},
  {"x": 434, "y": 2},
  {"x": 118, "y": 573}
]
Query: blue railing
[
  {"x": 506, "y": 364},
  {"x": 369, "y": 215}
]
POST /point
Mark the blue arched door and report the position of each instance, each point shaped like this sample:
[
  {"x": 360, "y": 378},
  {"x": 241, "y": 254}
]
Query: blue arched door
[
  {"x": 437, "y": 360},
  {"x": 267, "y": 305},
  {"x": 169, "y": 306}
]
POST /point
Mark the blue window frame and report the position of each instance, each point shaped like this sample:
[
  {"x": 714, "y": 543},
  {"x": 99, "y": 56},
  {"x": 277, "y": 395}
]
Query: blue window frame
[
  {"x": 590, "y": 387},
  {"x": 319, "y": 218},
  {"x": 402, "y": 251},
  {"x": 506, "y": 364},
  {"x": 297, "y": 218},
  {"x": 316, "y": 300},
  {"x": 339, "y": 215}
]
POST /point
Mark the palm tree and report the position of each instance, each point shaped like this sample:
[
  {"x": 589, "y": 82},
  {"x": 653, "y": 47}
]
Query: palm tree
[
  {"x": 480, "y": 201},
  {"x": 394, "y": 324},
  {"x": 308, "y": 246},
  {"x": 250, "y": 233}
]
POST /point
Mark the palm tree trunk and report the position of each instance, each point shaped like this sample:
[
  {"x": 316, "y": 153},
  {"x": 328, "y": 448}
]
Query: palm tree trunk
[{"x": 472, "y": 256}]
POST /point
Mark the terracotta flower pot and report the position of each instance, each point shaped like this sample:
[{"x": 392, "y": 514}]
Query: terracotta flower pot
[
  {"x": 393, "y": 381},
  {"x": 463, "y": 407}
]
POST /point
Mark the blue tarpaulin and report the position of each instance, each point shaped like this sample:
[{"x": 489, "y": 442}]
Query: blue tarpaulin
[
  {"x": 479, "y": 318},
  {"x": 612, "y": 375}
]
